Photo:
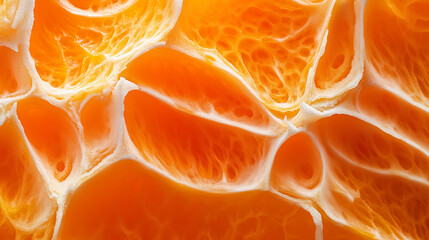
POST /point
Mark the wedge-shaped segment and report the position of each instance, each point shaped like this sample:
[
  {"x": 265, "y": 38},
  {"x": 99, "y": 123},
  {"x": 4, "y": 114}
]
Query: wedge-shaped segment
[
  {"x": 341, "y": 66},
  {"x": 14, "y": 77},
  {"x": 368, "y": 146},
  {"x": 374, "y": 182},
  {"x": 100, "y": 131},
  {"x": 200, "y": 88},
  {"x": 76, "y": 49},
  {"x": 297, "y": 167},
  {"x": 271, "y": 44},
  {"x": 53, "y": 135},
  {"x": 128, "y": 201},
  {"x": 194, "y": 149},
  {"x": 26, "y": 210},
  {"x": 396, "y": 41},
  {"x": 336, "y": 62},
  {"x": 395, "y": 114}
]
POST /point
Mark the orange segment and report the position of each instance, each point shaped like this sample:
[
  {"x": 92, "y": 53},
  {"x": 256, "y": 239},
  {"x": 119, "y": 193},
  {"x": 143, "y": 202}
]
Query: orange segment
[
  {"x": 336, "y": 62},
  {"x": 396, "y": 37},
  {"x": 368, "y": 146},
  {"x": 341, "y": 66},
  {"x": 297, "y": 167},
  {"x": 81, "y": 51},
  {"x": 193, "y": 149},
  {"x": 270, "y": 44},
  {"x": 126, "y": 201},
  {"x": 375, "y": 182},
  {"x": 395, "y": 114},
  {"x": 199, "y": 87},
  {"x": 26, "y": 210},
  {"x": 99, "y": 128},
  {"x": 14, "y": 78},
  {"x": 53, "y": 134}
]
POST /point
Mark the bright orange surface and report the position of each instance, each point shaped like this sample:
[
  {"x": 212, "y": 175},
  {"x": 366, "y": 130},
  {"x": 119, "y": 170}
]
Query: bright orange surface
[{"x": 214, "y": 119}]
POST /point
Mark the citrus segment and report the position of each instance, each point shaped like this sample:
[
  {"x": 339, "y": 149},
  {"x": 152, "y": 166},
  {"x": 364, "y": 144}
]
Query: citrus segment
[
  {"x": 199, "y": 87},
  {"x": 193, "y": 149},
  {"x": 385, "y": 206},
  {"x": 368, "y": 146},
  {"x": 270, "y": 44},
  {"x": 297, "y": 167},
  {"x": 53, "y": 135},
  {"x": 80, "y": 53},
  {"x": 375, "y": 183},
  {"x": 340, "y": 67},
  {"x": 138, "y": 203},
  {"x": 336, "y": 62},
  {"x": 26, "y": 210},
  {"x": 396, "y": 37},
  {"x": 99, "y": 132},
  {"x": 395, "y": 114},
  {"x": 14, "y": 78}
]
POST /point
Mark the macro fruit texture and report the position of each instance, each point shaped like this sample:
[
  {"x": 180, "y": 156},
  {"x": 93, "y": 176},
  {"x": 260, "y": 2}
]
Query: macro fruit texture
[{"x": 214, "y": 119}]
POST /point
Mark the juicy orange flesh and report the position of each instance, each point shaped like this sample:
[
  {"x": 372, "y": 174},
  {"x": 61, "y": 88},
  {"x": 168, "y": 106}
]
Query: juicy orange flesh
[
  {"x": 192, "y": 148},
  {"x": 335, "y": 63},
  {"x": 199, "y": 86},
  {"x": 52, "y": 133},
  {"x": 375, "y": 171},
  {"x": 217, "y": 119},
  {"x": 272, "y": 44},
  {"x": 13, "y": 77},
  {"x": 297, "y": 165},
  {"x": 98, "y": 127},
  {"x": 74, "y": 51},
  {"x": 138, "y": 202},
  {"x": 396, "y": 45},
  {"x": 24, "y": 197}
]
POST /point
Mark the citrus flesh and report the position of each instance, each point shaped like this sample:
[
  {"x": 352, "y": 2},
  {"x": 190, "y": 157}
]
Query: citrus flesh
[{"x": 134, "y": 119}]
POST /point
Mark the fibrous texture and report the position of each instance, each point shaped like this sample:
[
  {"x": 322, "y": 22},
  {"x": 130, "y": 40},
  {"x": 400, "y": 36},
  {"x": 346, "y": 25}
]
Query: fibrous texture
[{"x": 214, "y": 119}]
